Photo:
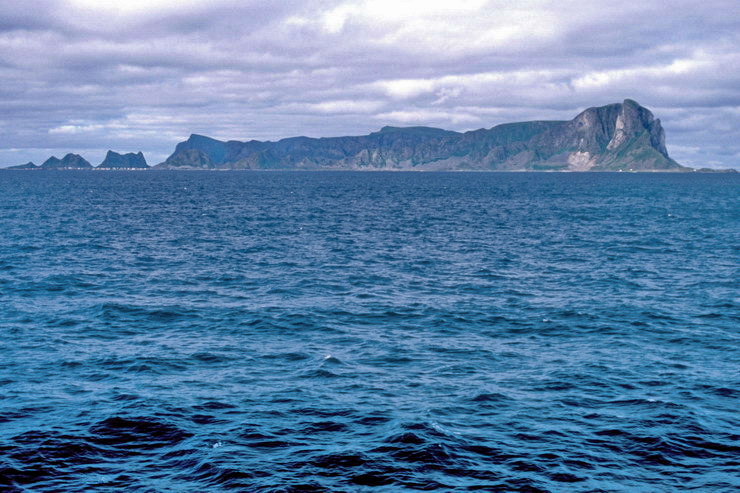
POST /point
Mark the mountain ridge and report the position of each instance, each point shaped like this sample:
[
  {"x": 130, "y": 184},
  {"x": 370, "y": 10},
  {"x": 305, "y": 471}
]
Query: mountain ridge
[
  {"x": 615, "y": 137},
  {"x": 619, "y": 136}
]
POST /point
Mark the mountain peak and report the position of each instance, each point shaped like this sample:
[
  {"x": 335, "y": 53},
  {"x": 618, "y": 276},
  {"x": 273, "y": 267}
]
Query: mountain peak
[
  {"x": 214, "y": 150},
  {"x": 114, "y": 160},
  {"x": 201, "y": 138},
  {"x": 69, "y": 161}
]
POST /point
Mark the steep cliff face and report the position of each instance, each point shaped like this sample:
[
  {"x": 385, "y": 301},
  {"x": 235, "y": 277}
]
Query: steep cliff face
[
  {"x": 113, "y": 160},
  {"x": 187, "y": 159},
  {"x": 201, "y": 152},
  {"x": 70, "y": 161},
  {"x": 211, "y": 152},
  {"x": 613, "y": 137}
]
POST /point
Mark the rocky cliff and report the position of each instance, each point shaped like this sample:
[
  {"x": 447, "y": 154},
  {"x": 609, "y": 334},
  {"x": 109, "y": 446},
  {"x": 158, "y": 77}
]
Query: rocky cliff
[
  {"x": 622, "y": 136},
  {"x": 113, "y": 160}
]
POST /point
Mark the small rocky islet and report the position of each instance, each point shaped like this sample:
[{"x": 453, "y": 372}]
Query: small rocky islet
[
  {"x": 113, "y": 160},
  {"x": 617, "y": 137}
]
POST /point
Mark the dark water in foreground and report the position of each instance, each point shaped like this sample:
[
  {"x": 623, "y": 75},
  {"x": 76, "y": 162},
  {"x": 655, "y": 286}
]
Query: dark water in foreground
[{"x": 188, "y": 331}]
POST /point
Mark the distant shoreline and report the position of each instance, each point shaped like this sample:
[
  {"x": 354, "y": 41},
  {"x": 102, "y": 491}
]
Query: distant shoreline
[
  {"x": 382, "y": 170},
  {"x": 618, "y": 137}
]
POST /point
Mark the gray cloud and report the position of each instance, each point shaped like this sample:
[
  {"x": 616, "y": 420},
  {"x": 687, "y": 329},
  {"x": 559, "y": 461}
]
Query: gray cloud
[{"x": 76, "y": 76}]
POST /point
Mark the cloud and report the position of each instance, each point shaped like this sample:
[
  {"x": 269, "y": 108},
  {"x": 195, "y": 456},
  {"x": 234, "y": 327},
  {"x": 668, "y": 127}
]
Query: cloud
[
  {"x": 87, "y": 75},
  {"x": 76, "y": 129},
  {"x": 339, "y": 106},
  {"x": 421, "y": 117},
  {"x": 132, "y": 7}
]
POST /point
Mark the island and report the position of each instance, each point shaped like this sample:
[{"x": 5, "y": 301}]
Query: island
[{"x": 616, "y": 137}]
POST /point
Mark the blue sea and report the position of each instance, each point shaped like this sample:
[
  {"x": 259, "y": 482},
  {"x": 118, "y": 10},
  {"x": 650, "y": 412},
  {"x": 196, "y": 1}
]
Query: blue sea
[{"x": 345, "y": 331}]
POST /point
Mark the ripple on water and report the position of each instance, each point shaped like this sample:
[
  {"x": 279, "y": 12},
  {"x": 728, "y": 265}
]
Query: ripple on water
[{"x": 348, "y": 331}]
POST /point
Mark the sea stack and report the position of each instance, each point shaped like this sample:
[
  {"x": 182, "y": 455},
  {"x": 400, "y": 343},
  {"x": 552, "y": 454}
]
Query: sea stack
[{"x": 114, "y": 160}]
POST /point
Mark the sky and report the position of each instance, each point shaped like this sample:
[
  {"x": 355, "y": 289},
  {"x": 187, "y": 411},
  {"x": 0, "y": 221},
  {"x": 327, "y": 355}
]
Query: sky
[{"x": 86, "y": 76}]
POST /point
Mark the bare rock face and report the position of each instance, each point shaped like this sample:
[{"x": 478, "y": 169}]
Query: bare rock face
[
  {"x": 113, "y": 160},
  {"x": 622, "y": 136}
]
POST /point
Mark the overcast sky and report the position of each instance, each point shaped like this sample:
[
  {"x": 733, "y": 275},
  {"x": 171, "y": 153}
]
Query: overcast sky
[{"x": 90, "y": 75}]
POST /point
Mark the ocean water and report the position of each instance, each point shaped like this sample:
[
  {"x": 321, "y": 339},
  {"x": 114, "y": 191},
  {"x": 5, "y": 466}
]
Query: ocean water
[{"x": 290, "y": 331}]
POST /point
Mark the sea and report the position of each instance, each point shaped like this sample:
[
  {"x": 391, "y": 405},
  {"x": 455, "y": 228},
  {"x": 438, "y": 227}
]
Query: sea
[{"x": 369, "y": 331}]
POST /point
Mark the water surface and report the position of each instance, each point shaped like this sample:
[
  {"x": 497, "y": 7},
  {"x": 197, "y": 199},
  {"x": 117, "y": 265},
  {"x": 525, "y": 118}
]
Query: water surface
[{"x": 207, "y": 331}]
